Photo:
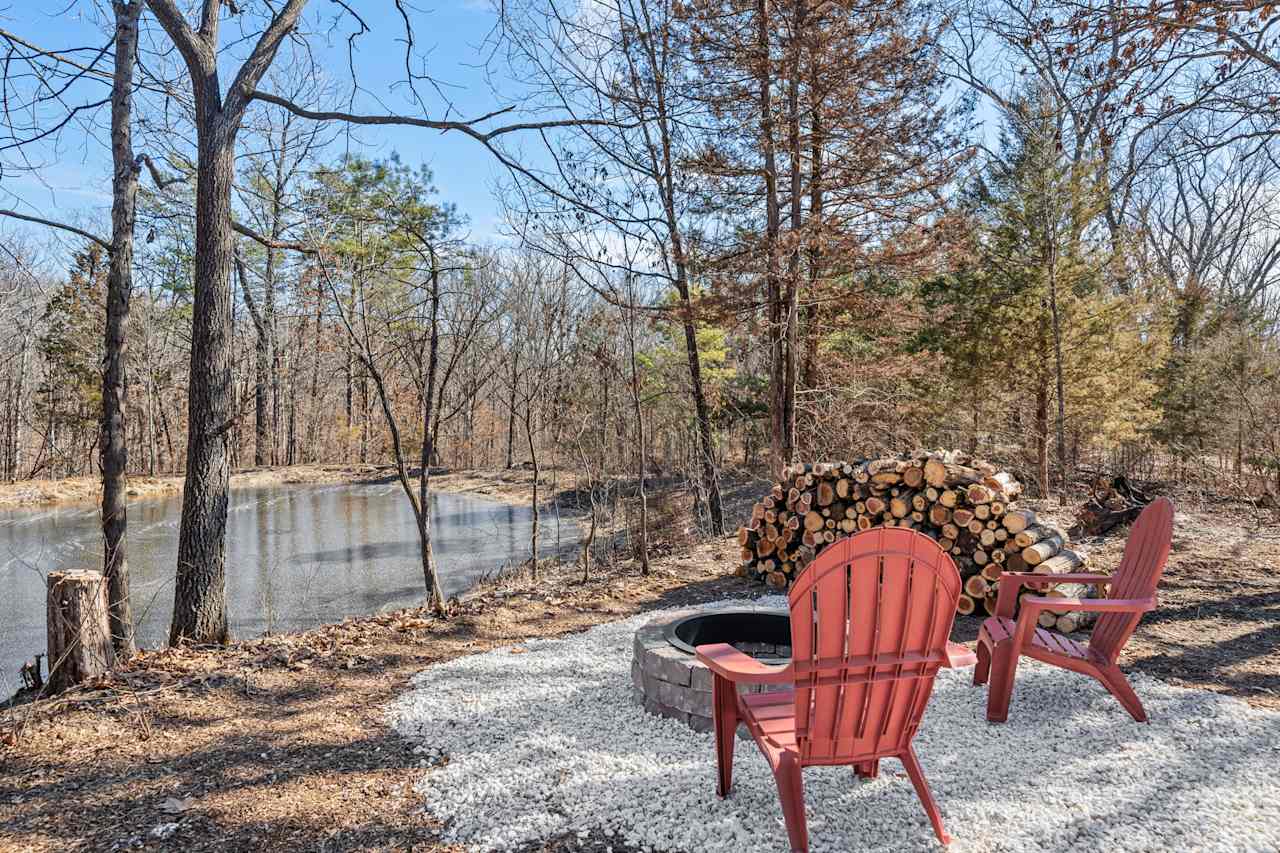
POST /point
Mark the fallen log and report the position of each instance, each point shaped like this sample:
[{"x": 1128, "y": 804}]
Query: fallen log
[
  {"x": 1114, "y": 501},
  {"x": 1043, "y": 550}
]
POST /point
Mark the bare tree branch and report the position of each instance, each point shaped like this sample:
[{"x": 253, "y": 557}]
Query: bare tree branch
[
  {"x": 467, "y": 127},
  {"x": 26, "y": 217},
  {"x": 264, "y": 52}
]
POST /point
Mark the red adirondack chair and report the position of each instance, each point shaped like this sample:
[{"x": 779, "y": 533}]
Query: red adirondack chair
[
  {"x": 870, "y": 618},
  {"x": 1003, "y": 640}
]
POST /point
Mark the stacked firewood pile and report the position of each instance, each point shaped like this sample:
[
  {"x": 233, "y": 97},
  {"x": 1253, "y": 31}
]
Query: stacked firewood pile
[{"x": 966, "y": 504}]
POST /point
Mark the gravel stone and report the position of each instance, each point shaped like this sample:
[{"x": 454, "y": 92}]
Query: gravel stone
[{"x": 551, "y": 743}]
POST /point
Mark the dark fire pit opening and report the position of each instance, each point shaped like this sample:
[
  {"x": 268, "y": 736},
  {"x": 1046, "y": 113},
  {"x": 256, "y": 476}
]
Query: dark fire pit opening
[{"x": 766, "y": 633}]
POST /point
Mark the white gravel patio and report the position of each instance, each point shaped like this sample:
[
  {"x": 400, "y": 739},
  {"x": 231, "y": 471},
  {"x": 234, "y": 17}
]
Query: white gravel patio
[{"x": 543, "y": 739}]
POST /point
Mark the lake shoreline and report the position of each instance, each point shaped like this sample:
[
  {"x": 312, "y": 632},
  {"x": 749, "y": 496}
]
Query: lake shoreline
[
  {"x": 511, "y": 486},
  {"x": 263, "y": 741},
  {"x": 298, "y": 554}
]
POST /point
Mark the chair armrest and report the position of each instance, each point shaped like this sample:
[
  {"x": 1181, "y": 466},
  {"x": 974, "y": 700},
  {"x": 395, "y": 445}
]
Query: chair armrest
[
  {"x": 1033, "y": 604},
  {"x": 729, "y": 663},
  {"x": 1096, "y": 605},
  {"x": 959, "y": 655},
  {"x": 1012, "y": 582}
]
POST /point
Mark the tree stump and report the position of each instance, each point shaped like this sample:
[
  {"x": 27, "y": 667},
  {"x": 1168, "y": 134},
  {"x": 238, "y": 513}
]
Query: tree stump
[{"x": 79, "y": 635}]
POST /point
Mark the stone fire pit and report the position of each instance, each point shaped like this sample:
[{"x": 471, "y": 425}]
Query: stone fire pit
[{"x": 670, "y": 682}]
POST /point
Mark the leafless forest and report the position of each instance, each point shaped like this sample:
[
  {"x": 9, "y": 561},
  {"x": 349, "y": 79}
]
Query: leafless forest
[{"x": 735, "y": 235}]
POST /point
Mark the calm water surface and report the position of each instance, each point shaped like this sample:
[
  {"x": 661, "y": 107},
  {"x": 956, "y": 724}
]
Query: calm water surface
[{"x": 297, "y": 556}]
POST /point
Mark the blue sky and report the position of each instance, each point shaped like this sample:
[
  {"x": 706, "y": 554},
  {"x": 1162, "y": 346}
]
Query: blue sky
[{"x": 73, "y": 183}]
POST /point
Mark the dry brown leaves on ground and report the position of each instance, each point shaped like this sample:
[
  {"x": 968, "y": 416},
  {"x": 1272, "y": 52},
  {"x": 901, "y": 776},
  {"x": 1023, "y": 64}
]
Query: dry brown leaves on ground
[{"x": 281, "y": 743}]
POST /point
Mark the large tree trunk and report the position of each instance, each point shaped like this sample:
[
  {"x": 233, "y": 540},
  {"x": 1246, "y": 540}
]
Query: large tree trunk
[
  {"x": 114, "y": 446},
  {"x": 706, "y": 439},
  {"x": 780, "y": 450},
  {"x": 199, "y": 603},
  {"x": 791, "y": 364},
  {"x": 199, "y": 597},
  {"x": 688, "y": 322}
]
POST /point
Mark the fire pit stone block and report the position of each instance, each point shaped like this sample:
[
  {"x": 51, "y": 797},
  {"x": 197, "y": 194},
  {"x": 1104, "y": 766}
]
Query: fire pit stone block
[{"x": 670, "y": 682}]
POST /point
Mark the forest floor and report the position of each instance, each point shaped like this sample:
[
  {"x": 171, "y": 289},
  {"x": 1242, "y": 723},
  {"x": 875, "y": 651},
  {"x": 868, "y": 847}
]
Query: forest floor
[{"x": 283, "y": 742}]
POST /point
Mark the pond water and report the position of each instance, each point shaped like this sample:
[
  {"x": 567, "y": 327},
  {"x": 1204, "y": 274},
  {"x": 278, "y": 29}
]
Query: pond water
[{"x": 297, "y": 556}]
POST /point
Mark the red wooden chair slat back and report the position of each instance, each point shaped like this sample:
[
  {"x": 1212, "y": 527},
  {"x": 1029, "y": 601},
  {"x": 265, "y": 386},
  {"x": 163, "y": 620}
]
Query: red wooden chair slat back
[
  {"x": 870, "y": 620},
  {"x": 1145, "y": 555}
]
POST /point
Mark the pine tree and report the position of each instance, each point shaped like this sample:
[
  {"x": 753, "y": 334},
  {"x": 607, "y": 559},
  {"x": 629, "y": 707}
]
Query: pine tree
[{"x": 1036, "y": 305}]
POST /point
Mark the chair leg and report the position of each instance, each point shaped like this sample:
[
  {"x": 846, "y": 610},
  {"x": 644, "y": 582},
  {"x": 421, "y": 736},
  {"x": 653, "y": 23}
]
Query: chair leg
[
  {"x": 1115, "y": 682},
  {"x": 724, "y": 698},
  {"x": 912, "y": 764},
  {"x": 867, "y": 769},
  {"x": 1004, "y": 666},
  {"x": 791, "y": 792},
  {"x": 982, "y": 671}
]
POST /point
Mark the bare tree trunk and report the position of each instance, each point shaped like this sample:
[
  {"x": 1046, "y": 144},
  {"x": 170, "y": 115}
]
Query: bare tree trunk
[
  {"x": 153, "y": 453},
  {"x": 313, "y": 427},
  {"x": 18, "y": 398},
  {"x": 199, "y": 604},
  {"x": 1061, "y": 417},
  {"x": 114, "y": 444},
  {"x": 1042, "y": 415},
  {"x": 816, "y": 200},
  {"x": 199, "y": 600},
  {"x": 264, "y": 362},
  {"x": 429, "y": 426},
  {"x": 643, "y": 546},
  {"x": 664, "y": 169},
  {"x": 589, "y": 539},
  {"x": 350, "y": 398},
  {"x": 511, "y": 408},
  {"x": 533, "y": 457},
  {"x": 791, "y": 366},
  {"x": 365, "y": 414},
  {"x": 779, "y": 449}
]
